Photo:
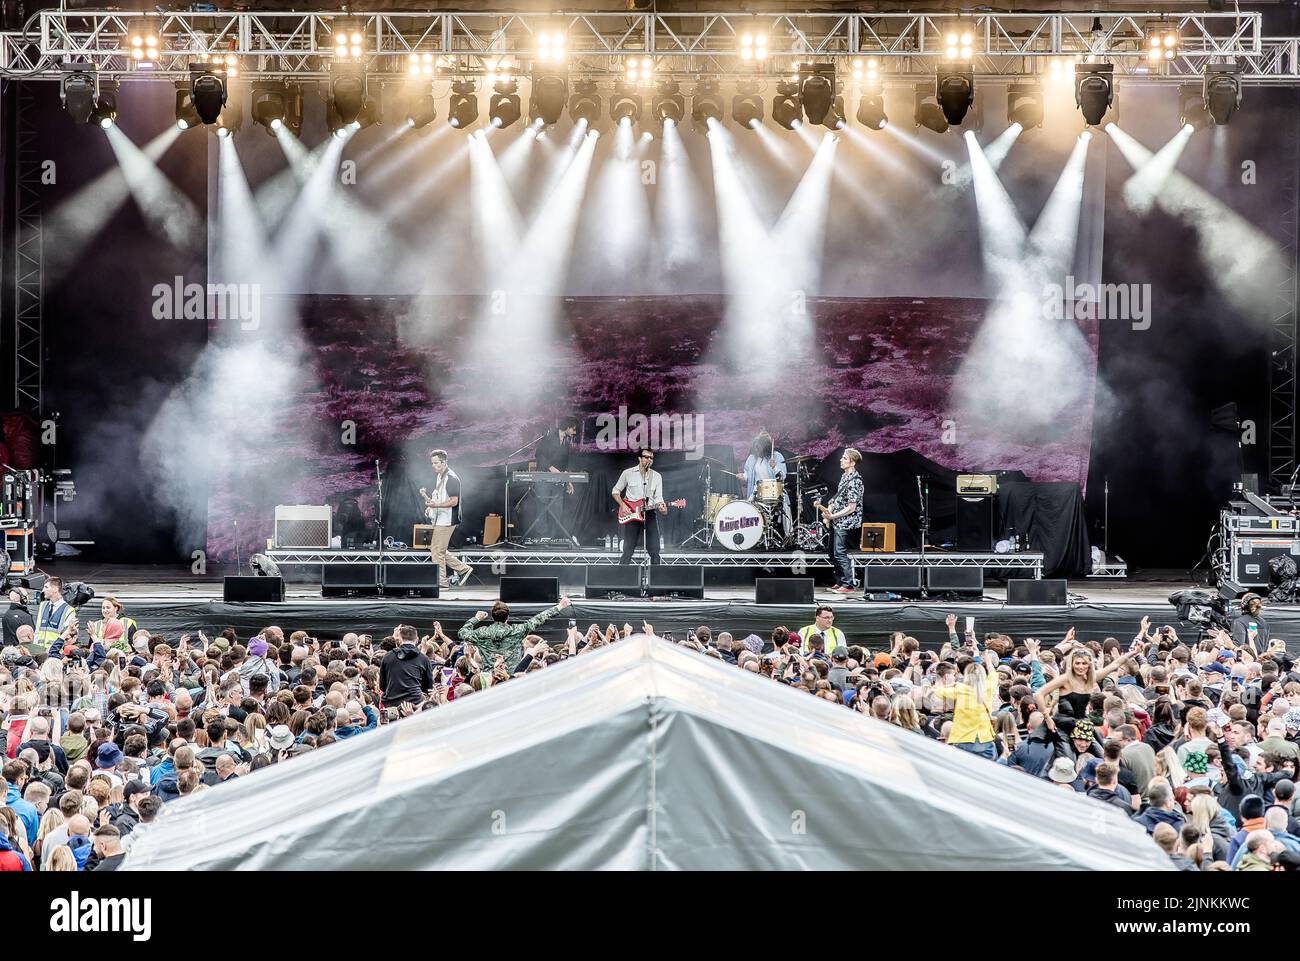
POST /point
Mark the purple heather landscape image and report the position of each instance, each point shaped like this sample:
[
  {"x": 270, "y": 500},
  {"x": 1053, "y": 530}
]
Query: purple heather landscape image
[{"x": 386, "y": 378}]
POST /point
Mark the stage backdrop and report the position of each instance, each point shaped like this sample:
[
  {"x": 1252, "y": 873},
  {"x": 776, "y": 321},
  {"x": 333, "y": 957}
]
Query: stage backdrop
[{"x": 357, "y": 380}]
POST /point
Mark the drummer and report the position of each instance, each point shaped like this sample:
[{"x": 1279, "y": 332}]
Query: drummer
[{"x": 766, "y": 463}]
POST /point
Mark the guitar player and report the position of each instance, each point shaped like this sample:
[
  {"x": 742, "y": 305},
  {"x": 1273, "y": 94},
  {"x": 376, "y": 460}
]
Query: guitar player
[
  {"x": 641, "y": 483},
  {"x": 442, "y": 508}
]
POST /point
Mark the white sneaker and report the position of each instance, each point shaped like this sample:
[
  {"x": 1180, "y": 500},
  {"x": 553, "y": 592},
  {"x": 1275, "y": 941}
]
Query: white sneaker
[{"x": 462, "y": 578}]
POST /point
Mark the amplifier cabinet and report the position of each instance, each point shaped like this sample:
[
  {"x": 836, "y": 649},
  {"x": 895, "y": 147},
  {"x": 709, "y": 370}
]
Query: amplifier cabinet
[{"x": 303, "y": 525}]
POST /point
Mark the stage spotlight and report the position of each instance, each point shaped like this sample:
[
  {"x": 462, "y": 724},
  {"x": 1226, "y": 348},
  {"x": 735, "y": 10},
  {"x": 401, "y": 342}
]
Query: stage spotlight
[
  {"x": 955, "y": 90},
  {"x": 1060, "y": 70},
  {"x": 503, "y": 105},
  {"x": 144, "y": 43},
  {"x": 105, "y": 112},
  {"x": 753, "y": 46},
  {"x": 786, "y": 108},
  {"x": 546, "y": 101},
  {"x": 207, "y": 91},
  {"x": 817, "y": 92},
  {"x": 463, "y": 109},
  {"x": 420, "y": 65},
  {"x": 420, "y": 107},
  {"x": 1222, "y": 91},
  {"x": 669, "y": 102},
  {"x": 639, "y": 71},
  {"x": 706, "y": 103},
  {"x": 550, "y": 46},
  {"x": 927, "y": 112},
  {"x": 276, "y": 104},
  {"x": 349, "y": 41},
  {"x": 585, "y": 103},
  {"x": 1094, "y": 90},
  {"x": 866, "y": 70},
  {"x": 747, "y": 105},
  {"x": 871, "y": 111},
  {"x": 263, "y": 566},
  {"x": 959, "y": 42},
  {"x": 625, "y": 103},
  {"x": 77, "y": 91},
  {"x": 1025, "y": 105},
  {"x": 1191, "y": 106},
  {"x": 1162, "y": 41},
  {"x": 347, "y": 90}
]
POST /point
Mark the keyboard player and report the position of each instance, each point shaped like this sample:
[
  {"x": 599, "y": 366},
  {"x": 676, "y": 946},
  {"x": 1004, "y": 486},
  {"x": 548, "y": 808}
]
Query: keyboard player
[{"x": 553, "y": 456}]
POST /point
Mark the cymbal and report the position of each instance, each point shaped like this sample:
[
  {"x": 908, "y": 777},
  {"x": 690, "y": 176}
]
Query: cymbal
[{"x": 801, "y": 458}]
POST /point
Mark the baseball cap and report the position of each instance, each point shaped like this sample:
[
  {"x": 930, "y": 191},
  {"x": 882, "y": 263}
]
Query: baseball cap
[
  {"x": 134, "y": 786},
  {"x": 840, "y": 653}
]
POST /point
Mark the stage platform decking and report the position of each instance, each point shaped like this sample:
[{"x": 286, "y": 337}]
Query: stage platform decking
[{"x": 171, "y": 601}]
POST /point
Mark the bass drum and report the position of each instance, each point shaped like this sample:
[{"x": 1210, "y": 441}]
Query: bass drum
[{"x": 739, "y": 526}]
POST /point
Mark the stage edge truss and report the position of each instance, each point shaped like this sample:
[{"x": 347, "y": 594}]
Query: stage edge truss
[{"x": 909, "y": 45}]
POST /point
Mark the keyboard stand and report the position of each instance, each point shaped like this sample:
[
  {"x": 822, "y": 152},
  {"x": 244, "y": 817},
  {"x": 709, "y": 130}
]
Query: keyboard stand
[{"x": 550, "y": 509}]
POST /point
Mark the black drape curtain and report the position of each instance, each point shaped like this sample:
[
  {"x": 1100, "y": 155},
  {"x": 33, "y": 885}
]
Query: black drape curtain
[{"x": 1051, "y": 514}]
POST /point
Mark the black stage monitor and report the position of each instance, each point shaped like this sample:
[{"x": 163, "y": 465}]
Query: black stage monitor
[
  {"x": 530, "y": 590},
  {"x": 783, "y": 590},
  {"x": 244, "y": 589},
  {"x": 1030, "y": 592}
]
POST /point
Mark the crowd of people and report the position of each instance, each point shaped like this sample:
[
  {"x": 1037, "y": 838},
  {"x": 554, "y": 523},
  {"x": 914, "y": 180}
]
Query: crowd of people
[{"x": 102, "y": 724}]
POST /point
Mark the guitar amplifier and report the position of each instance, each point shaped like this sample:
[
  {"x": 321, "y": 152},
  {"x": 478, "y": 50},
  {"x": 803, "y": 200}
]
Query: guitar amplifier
[
  {"x": 421, "y": 536},
  {"x": 877, "y": 538},
  {"x": 977, "y": 484},
  {"x": 302, "y": 525}
]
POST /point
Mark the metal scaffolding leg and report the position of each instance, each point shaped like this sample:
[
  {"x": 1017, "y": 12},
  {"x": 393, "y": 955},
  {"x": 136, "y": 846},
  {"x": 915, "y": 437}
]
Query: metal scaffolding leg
[
  {"x": 29, "y": 348},
  {"x": 1282, "y": 336}
]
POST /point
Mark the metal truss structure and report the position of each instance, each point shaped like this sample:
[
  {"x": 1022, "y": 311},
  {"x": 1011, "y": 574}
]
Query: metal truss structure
[
  {"x": 504, "y": 559},
  {"x": 28, "y": 261},
  {"x": 908, "y": 46},
  {"x": 1282, "y": 328}
]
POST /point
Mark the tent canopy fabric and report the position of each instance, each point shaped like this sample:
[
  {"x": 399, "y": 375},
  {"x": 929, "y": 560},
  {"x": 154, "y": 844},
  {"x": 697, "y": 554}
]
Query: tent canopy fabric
[{"x": 640, "y": 756}]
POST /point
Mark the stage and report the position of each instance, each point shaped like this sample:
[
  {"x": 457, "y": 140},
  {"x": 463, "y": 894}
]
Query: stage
[{"x": 172, "y": 601}]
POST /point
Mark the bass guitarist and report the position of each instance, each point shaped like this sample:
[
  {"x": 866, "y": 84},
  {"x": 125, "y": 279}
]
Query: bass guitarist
[{"x": 644, "y": 485}]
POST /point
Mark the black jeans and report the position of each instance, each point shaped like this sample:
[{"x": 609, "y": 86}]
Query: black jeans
[
  {"x": 632, "y": 535},
  {"x": 840, "y": 557}
]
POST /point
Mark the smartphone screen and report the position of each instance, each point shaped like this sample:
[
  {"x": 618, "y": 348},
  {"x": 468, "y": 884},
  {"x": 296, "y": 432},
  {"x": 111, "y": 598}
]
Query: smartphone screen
[{"x": 970, "y": 623}]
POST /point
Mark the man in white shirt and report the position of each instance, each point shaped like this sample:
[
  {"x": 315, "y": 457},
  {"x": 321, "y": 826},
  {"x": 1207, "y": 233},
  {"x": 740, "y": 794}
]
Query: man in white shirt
[
  {"x": 640, "y": 483},
  {"x": 442, "y": 508}
]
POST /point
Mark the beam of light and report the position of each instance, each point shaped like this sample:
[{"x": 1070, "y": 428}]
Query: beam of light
[
  {"x": 296, "y": 242},
  {"x": 514, "y": 159},
  {"x": 618, "y": 220},
  {"x": 1020, "y": 376},
  {"x": 72, "y": 225},
  {"x": 777, "y": 146},
  {"x": 166, "y": 209},
  {"x": 679, "y": 239},
  {"x": 519, "y": 318},
  {"x": 1150, "y": 170},
  {"x": 431, "y": 178},
  {"x": 1055, "y": 234},
  {"x": 293, "y": 148},
  {"x": 915, "y": 144},
  {"x": 997, "y": 151},
  {"x": 275, "y": 195},
  {"x": 560, "y": 157},
  {"x": 242, "y": 251},
  {"x": 497, "y": 223},
  {"x": 766, "y": 324},
  {"x": 411, "y": 146},
  {"x": 848, "y": 177},
  {"x": 1244, "y": 264},
  {"x": 807, "y": 135},
  {"x": 378, "y": 149},
  {"x": 1002, "y": 234}
]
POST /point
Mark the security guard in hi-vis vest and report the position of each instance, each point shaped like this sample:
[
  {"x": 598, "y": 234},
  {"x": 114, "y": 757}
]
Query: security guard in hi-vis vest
[{"x": 53, "y": 617}]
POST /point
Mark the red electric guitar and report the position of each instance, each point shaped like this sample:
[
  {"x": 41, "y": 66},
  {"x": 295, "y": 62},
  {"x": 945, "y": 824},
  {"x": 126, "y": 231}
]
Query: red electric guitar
[{"x": 635, "y": 510}]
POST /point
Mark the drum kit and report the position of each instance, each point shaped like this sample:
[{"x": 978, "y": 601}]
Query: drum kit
[{"x": 763, "y": 521}]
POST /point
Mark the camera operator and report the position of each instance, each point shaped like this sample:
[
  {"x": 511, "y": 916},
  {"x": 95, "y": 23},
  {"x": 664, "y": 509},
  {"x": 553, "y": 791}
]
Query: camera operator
[
  {"x": 15, "y": 617},
  {"x": 1249, "y": 625}
]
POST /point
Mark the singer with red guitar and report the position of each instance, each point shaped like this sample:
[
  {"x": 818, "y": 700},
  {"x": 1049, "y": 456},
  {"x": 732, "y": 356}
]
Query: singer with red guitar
[{"x": 640, "y": 496}]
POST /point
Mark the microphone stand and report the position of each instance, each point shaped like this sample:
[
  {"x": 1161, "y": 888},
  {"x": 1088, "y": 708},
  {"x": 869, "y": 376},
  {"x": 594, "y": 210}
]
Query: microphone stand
[
  {"x": 922, "y": 493},
  {"x": 507, "y": 538},
  {"x": 239, "y": 564},
  {"x": 379, "y": 524}
]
